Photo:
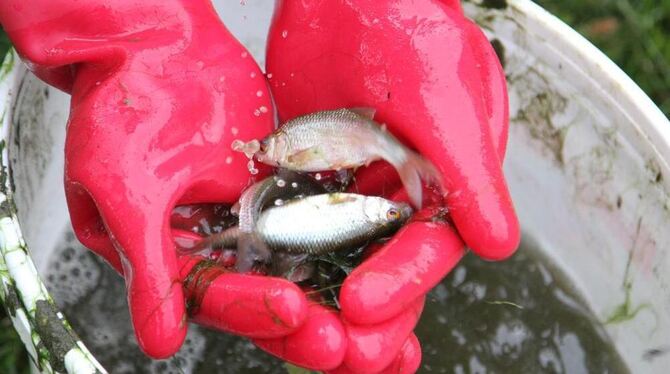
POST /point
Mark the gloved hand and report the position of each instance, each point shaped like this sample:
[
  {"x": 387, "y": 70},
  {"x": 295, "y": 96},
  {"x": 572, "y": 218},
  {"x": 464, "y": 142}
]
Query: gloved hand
[
  {"x": 160, "y": 89},
  {"x": 436, "y": 83}
]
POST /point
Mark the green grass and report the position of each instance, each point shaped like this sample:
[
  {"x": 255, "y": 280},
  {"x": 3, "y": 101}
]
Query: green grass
[
  {"x": 4, "y": 44},
  {"x": 13, "y": 358},
  {"x": 634, "y": 33}
]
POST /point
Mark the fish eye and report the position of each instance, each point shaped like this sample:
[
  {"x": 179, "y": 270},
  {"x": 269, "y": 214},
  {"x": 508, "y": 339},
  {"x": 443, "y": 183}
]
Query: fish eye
[
  {"x": 264, "y": 146},
  {"x": 393, "y": 214}
]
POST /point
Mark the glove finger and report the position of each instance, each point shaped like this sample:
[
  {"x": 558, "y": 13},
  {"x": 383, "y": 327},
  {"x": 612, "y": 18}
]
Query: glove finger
[
  {"x": 88, "y": 225},
  {"x": 408, "y": 266},
  {"x": 494, "y": 86},
  {"x": 408, "y": 360},
  {"x": 155, "y": 295},
  {"x": 246, "y": 305},
  {"x": 372, "y": 348},
  {"x": 477, "y": 194},
  {"x": 320, "y": 344}
]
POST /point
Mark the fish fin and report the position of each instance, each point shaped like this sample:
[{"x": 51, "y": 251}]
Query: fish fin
[
  {"x": 412, "y": 183},
  {"x": 412, "y": 171},
  {"x": 294, "y": 267},
  {"x": 251, "y": 251},
  {"x": 365, "y": 112},
  {"x": 344, "y": 176},
  {"x": 224, "y": 239},
  {"x": 303, "y": 156},
  {"x": 235, "y": 209}
]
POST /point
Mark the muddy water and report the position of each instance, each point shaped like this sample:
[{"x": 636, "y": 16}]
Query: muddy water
[{"x": 519, "y": 316}]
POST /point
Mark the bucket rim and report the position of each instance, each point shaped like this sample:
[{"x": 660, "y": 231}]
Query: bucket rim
[
  {"x": 51, "y": 342},
  {"x": 612, "y": 82}
]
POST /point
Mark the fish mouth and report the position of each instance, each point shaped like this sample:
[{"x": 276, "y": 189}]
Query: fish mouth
[
  {"x": 266, "y": 159},
  {"x": 406, "y": 211}
]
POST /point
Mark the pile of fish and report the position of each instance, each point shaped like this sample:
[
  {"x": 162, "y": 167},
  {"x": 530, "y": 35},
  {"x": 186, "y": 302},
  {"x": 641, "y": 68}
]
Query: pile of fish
[{"x": 289, "y": 219}]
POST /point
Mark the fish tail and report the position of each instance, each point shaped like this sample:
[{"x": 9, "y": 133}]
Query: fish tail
[
  {"x": 224, "y": 239},
  {"x": 412, "y": 170},
  {"x": 251, "y": 251}
]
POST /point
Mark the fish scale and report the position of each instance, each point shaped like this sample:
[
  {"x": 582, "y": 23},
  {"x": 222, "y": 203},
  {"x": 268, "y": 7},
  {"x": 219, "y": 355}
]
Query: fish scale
[{"x": 342, "y": 129}]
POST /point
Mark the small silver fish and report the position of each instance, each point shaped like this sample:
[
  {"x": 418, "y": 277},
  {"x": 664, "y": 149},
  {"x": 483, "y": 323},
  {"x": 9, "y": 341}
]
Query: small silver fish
[
  {"x": 343, "y": 139},
  {"x": 323, "y": 223},
  {"x": 250, "y": 248},
  {"x": 285, "y": 185}
]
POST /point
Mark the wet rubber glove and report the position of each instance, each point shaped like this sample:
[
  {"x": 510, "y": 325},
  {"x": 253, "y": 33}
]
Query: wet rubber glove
[
  {"x": 436, "y": 83},
  {"x": 160, "y": 89}
]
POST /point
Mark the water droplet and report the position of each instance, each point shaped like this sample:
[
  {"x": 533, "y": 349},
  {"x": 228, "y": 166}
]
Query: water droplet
[
  {"x": 259, "y": 93},
  {"x": 317, "y": 176},
  {"x": 279, "y": 202},
  {"x": 263, "y": 109},
  {"x": 229, "y": 160},
  {"x": 281, "y": 183},
  {"x": 284, "y": 34},
  {"x": 249, "y": 148},
  {"x": 253, "y": 74},
  {"x": 294, "y": 185},
  {"x": 283, "y": 84},
  {"x": 252, "y": 167},
  {"x": 237, "y": 145},
  {"x": 257, "y": 112},
  {"x": 97, "y": 83},
  {"x": 244, "y": 54},
  {"x": 292, "y": 75},
  {"x": 234, "y": 130},
  {"x": 269, "y": 75}
]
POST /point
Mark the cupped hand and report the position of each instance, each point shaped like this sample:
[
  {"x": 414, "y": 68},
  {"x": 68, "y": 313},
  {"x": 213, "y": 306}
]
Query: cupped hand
[
  {"x": 436, "y": 83},
  {"x": 160, "y": 89}
]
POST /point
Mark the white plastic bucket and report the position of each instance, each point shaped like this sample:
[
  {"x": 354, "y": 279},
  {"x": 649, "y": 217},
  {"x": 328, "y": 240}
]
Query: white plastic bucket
[{"x": 587, "y": 165}]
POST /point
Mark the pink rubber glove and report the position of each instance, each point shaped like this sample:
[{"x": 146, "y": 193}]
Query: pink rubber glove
[
  {"x": 160, "y": 89},
  {"x": 437, "y": 84}
]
